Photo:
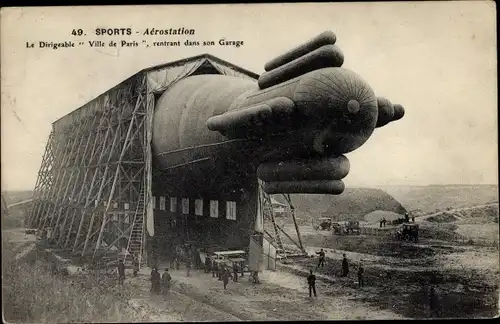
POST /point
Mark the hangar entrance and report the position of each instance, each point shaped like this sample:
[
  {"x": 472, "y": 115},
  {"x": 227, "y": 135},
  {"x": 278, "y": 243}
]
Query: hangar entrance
[{"x": 190, "y": 236}]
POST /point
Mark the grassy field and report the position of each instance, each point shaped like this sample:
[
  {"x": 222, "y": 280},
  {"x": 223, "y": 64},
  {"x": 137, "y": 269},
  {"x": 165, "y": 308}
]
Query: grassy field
[
  {"x": 14, "y": 219},
  {"x": 429, "y": 199},
  {"x": 32, "y": 293},
  {"x": 480, "y": 223}
]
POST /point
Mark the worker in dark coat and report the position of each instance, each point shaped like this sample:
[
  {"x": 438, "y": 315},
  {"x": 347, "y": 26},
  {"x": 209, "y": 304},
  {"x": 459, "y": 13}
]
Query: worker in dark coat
[
  {"x": 151, "y": 279},
  {"x": 433, "y": 302},
  {"x": 361, "y": 271},
  {"x": 121, "y": 272},
  {"x": 215, "y": 269},
  {"x": 220, "y": 270},
  {"x": 188, "y": 266},
  {"x": 166, "y": 278},
  {"x": 235, "y": 272},
  {"x": 321, "y": 261},
  {"x": 311, "y": 281},
  {"x": 208, "y": 264},
  {"x": 345, "y": 266},
  {"x": 173, "y": 258},
  {"x": 135, "y": 264},
  {"x": 225, "y": 275},
  {"x": 177, "y": 263},
  {"x": 155, "y": 281}
]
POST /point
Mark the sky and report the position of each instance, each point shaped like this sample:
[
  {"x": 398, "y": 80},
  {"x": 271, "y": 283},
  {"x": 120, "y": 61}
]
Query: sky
[{"x": 437, "y": 59}]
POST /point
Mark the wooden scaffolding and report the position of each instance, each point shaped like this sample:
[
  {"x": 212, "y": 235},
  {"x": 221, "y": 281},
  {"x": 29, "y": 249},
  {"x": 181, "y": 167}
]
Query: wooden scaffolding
[
  {"x": 90, "y": 189},
  {"x": 270, "y": 221},
  {"x": 93, "y": 192}
]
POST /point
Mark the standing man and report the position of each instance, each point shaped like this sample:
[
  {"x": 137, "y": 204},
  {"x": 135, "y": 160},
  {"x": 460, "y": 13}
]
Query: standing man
[
  {"x": 361, "y": 270},
  {"x": 135, "y": 264},
  {"x": 208, "y": 264},
  {"x": 311, "y": 281},
  {"x": 321, "y": 262},
  {"x": 166, "y": 278},
  {"x": 155, "y": 281},
  {"x": 345, "y": 266},
  {"x": 188, "y": 266},
  {"x": 121, "y": 272},
  {"x": 220, "y": 270},
  {"x": 173, "y": 258},
  {"x": 177, "y": 263},
  {"x": 215, "y": 269},
  {"x": 177, "y": 257},
  {"x": 225, "y": 277},
  {"x": 235, "y": 272},
  {"x": 433, "y": 302}
]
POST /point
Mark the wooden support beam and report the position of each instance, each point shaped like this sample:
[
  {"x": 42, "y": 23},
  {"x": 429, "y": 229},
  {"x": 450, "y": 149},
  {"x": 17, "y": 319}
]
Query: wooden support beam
[
  {"x": 292, "y": 209},
  {"x": 94, "y": 177},
  {"x": 62, "y": 197},
  {"x": 289, "y": 237},
  {"x": 104, "y": 180},
  {"x": 125, "y": 146},
  {"x": 41, "y": 182},
  {"x": 59, "y": 159}
]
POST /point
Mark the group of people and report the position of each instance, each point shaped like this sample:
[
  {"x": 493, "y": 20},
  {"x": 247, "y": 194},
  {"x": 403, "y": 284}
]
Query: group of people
[
  {"x": 311, "y": 278},
  {"x": 121, "y": 269},
  {"x": 406, "y": 219},
  {"x": 360, "y": 272},
  {"x": 223, "y": 272},
  {"x": 160, "y": 284},
  {"x": 219, "y": 270}
]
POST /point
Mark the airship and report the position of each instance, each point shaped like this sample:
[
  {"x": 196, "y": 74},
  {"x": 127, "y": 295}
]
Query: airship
[
  {"x": 216, "y": 136},
  {"x": 292, "y": 127}
]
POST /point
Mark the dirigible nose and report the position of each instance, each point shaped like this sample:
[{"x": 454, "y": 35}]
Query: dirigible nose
[{"x": 341, "y": 105}]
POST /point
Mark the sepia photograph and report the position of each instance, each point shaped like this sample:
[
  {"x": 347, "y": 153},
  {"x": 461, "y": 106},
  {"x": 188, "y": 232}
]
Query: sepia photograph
[{"x": 249, "y": 162}]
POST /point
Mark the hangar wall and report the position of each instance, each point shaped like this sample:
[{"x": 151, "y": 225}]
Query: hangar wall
[{"x": 221, "y": 217}]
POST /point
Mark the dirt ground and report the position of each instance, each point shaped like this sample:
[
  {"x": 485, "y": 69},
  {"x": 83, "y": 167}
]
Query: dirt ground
[
  {"x": 396, "y": 286},
  {"x": 200, "y": 297},
  {"x": 398, "y": 275},
  {"x": 279, "y": 296},
  {"x": 397, "y": 278}
]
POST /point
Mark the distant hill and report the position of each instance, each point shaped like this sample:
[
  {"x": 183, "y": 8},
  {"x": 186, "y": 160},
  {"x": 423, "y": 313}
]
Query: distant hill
[
  {"x": 352, "y": 204},
  {"x": 429, "y": 199},
  {"x": 13, "y": 197}
]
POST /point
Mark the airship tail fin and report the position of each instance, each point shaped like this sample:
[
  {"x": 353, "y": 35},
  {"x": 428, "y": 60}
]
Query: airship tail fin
[
  {"x": 253, "y": 119},
  {"x": 325, "y": 38},
  {"x": 387, "y": 112},
  {"x": 323, "y": 57},
  {"x": 320, "y": 176}
]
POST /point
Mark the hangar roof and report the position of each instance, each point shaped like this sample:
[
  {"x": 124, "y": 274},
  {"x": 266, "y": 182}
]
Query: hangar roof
[{"x": 159, "y": 77}]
